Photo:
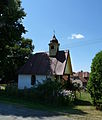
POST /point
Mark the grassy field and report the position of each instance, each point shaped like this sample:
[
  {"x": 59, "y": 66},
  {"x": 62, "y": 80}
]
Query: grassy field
[
  {"x": 85, "y": 113},
  {"x": 78, "y": 112},
  {"x": 82, "y": 110}
]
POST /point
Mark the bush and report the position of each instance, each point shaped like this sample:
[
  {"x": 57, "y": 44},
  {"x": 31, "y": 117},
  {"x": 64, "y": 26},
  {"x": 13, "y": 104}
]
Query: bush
[
  {"x": 66, "y": 96},
  {"x": 50, "y": 92}
]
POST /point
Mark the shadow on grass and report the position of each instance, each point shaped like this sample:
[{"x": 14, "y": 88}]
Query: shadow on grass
[
  {"x": 21, "y": 108},
  {"x": 20, "y": 111},
  {"x": 82, "y": 102},
  {"x": 74, "y": 111},
  {"x": 77, "y": 112}
]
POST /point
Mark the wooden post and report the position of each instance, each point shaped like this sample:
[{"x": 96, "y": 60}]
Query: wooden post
[
  {"x": 68, "y": 82},
  {"x": 68, "y": 77}
]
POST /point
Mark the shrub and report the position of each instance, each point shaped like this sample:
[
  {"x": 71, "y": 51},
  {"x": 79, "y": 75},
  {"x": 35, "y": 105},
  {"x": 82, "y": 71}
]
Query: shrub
[
  {"x": 67, "y": 96},
  {"x": 50, "y": 92}
]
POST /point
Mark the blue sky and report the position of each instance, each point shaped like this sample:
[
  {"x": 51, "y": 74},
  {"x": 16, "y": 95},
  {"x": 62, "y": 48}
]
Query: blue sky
[{"x": 77, "y": 25}]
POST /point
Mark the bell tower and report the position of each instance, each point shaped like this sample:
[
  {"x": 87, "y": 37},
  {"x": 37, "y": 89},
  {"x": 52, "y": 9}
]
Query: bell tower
[{"x": 53, "y": 46}]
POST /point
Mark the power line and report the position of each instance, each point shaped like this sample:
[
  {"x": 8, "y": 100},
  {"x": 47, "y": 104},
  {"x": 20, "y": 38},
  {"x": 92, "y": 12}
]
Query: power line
[{"x": 90, "y": 42}]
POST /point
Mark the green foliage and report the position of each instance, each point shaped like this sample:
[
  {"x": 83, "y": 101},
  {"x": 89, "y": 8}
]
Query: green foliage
[
  {"x": 54, "y": 92},
  {"x": 99, "y": 105},
  {"x": 95, "y": 81},
  {"x": 48, "y": 93},
  {"x": 83, "y": 99},
  {"x": 14, "y": 50}
]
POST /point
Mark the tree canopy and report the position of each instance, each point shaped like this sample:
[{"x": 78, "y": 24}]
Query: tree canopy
[
  {"x": 95, "y": 79},
  {"x": 14, "y": 49}
]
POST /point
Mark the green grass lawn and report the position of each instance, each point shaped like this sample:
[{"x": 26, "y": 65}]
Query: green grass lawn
[
  {"x": 85, "y": 96},
  {"x": 78, "y": 112},
  {"x": 86, "y": 113},
  {"x": 83, "y": 110}
]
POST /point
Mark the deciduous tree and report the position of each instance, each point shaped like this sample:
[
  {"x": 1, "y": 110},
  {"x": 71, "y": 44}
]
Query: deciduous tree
[
  {"x": 95, "y": 81},
  {"x": 14, "y": 50}
]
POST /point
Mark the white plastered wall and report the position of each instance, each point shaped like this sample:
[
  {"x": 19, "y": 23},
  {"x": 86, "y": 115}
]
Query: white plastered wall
[{"x": 24, "y": 81}]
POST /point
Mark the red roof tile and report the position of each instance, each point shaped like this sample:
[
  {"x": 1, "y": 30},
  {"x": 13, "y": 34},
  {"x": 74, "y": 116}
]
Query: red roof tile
[{"x": 83, "y": 79}]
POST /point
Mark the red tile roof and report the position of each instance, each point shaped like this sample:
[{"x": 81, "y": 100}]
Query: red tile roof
[
  {"x": 83, "y": 79},
  {"x": 42, "y": 64},
  {"x": 82, "y": 74}
]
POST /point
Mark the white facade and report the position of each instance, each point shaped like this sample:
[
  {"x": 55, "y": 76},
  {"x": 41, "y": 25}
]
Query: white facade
[
  {"x": 40, "y": 78},
  {"x": 24, "y": 81}
]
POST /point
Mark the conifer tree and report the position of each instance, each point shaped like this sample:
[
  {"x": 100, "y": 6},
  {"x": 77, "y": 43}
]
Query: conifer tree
[{"x": 95, "y": 80}]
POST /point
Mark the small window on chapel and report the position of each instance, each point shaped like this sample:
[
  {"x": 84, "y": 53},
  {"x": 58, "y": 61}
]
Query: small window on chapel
[
  {"x": 52, "y": 47},
  {"x": 33, "y": 80}
]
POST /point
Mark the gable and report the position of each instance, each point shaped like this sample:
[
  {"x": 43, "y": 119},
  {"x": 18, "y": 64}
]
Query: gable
[
  {"x": 68, "y": 67},
  {"x": 58, "y": 63}
]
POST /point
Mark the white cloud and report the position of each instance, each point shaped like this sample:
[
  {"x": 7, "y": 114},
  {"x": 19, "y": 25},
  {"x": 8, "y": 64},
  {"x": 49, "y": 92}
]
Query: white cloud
[{"x": 77, "y": 36}]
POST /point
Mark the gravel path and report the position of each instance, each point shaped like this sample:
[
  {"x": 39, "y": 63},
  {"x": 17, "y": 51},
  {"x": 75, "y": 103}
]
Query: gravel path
[{"x": 13, "y": 112}]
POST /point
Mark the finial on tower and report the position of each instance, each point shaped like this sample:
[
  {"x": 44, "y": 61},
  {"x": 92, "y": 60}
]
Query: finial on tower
[
  {"x": 54, "y": 39},
  {"x": 54, "y": 32}
]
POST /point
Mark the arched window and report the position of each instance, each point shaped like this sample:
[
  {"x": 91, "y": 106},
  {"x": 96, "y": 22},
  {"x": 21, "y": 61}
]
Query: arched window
[
  {"x": 33, "y": 80},
  {"x": 52, "y": 47}
]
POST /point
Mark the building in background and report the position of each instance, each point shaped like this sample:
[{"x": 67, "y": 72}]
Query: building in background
[{"x": 81, "y": 77}]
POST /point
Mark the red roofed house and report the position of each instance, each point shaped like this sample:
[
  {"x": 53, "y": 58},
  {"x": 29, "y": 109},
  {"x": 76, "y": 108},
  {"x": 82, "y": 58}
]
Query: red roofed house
[
  {"x": 45, "y": 65},
  {"x": 82, "y": 76}
]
